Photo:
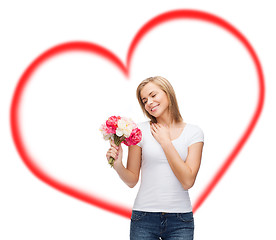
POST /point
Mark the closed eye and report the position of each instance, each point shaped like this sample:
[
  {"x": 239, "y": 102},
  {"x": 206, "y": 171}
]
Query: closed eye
[{"x": 151, "y": 96}]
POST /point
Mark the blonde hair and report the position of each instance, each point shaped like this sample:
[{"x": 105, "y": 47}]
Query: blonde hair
[{"x": 165, "y": 85}]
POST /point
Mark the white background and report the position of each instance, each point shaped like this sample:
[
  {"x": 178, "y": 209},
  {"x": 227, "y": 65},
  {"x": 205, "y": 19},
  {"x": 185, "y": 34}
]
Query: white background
[{"x": 71, "y": 95}]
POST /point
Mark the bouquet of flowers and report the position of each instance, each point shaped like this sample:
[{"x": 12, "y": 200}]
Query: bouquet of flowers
[{"x": 120, "y": 129}]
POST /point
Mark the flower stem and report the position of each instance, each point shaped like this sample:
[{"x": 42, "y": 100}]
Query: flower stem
[{"x": 111, "y": 161}]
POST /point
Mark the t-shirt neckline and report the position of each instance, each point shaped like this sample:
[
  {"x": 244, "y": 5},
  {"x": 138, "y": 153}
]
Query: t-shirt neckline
[{"x": 183, "y": 130}]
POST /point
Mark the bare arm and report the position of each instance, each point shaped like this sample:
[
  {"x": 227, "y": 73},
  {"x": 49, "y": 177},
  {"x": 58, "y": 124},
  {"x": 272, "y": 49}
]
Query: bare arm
[
  {"x": 185, "y": 172},
  {"x": 130, "y": 173}
]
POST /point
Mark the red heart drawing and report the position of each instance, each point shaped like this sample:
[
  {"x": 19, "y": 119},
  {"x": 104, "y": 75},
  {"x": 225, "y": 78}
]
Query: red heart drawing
[{"x": 125, "y": 68}]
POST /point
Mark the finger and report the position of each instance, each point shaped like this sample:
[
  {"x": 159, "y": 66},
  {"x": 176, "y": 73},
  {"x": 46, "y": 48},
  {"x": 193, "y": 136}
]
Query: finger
[
  {"x": 158, "y": 125},
  {"x": 152, "y": 131},
  {"x": 111, "y": 154},
  {"x": 120, "y": 152},
  {"x": 112, "y": 150},
  {"x": 153, "y": 126},
  {"x": 114, "y": 145}
]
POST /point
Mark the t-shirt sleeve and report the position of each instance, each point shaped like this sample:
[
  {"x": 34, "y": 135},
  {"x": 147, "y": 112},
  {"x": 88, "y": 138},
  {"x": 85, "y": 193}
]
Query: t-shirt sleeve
[{"x": 196, "y": 136}]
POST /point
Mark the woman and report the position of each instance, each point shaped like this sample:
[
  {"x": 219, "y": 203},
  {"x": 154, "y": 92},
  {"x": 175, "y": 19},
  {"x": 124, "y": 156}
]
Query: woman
[{"x": 169, "y": 157}]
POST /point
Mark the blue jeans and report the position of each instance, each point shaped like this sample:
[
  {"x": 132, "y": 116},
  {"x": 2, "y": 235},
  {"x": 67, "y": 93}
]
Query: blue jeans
[{"x": 158, "y": 225}]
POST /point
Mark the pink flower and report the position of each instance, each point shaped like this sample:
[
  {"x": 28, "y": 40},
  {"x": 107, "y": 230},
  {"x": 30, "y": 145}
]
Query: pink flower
[
  {"x": 134, "y": 138},
  {"x": 107, "y": 132},
  {"x": 112, "y": 123}
]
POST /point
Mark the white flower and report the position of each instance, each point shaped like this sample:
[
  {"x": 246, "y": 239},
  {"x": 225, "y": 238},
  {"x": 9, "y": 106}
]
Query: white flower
[
  {"x": 119, "y": 132},
  {"x": 125, "y": 127}
]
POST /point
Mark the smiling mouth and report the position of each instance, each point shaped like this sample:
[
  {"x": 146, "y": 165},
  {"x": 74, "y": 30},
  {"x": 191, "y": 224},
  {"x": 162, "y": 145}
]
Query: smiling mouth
[{"x": 154, "y": 108}]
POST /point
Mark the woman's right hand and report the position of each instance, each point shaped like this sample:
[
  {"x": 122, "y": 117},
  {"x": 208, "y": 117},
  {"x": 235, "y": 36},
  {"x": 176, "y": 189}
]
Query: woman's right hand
[{"x": 116, "y": 152}]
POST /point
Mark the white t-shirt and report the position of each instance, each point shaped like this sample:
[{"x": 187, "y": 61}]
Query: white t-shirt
[{"x": 160, "y": 190}]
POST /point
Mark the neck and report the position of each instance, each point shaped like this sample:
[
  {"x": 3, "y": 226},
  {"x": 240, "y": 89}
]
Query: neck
[{"x": 166, "y": 119}]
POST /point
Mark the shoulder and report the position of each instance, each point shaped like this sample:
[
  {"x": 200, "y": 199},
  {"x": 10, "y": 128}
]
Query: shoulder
[
  {"x": 195, "y": 133},
  {"x": 193, "y": 127}
]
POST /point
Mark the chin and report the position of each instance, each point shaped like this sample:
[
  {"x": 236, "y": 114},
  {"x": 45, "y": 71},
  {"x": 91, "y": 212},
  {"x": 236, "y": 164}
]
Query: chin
[{"x": 156, "y": 115}]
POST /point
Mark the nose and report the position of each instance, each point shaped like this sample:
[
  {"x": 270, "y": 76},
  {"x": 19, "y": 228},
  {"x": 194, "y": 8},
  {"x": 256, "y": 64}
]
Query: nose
[{"x": 149, "y": 102}]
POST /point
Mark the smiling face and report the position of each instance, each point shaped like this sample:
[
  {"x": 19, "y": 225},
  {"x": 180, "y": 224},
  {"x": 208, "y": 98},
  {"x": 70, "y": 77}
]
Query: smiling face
[
  {"x": 154, "y": 99},
  {"x": 157, "y": 98}
]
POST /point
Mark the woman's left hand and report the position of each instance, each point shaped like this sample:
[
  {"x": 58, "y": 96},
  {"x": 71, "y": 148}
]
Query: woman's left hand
[{"x": 160, "y": 132}]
